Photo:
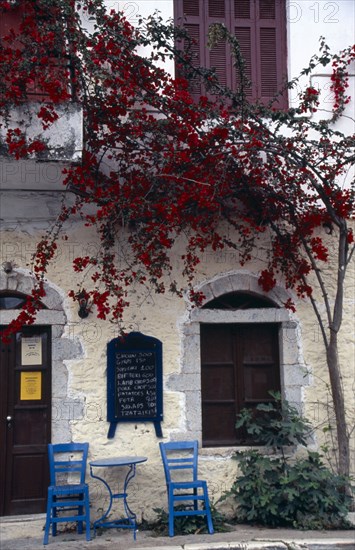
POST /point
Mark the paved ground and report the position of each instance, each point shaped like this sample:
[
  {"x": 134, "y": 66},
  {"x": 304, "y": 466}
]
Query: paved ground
[{"x": 26, "y": 533}]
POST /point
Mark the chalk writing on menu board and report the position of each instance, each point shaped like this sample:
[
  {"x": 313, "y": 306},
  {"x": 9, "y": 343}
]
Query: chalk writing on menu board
[{"x": 136, "y": 379}]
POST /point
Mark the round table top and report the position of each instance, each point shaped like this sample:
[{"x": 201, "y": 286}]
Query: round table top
[{"x": 118, "y": 461}]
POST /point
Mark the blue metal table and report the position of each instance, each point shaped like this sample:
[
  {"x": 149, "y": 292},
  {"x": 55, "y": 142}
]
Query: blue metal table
[{"x": 129, "y": 522}]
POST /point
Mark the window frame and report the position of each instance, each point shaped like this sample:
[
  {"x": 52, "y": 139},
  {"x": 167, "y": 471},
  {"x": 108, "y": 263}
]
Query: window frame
[
  {"x": 183, "y": 383},
  {"x": 59, "y": 62}
]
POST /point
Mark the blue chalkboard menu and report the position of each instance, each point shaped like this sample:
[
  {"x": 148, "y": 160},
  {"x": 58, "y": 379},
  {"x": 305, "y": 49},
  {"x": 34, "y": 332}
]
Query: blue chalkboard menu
[{"x": 134, "y": 381}]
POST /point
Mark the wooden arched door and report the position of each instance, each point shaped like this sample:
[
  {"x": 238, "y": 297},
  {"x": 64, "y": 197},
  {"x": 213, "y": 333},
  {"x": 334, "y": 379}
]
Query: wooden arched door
[{"x": 25, "y": 427}]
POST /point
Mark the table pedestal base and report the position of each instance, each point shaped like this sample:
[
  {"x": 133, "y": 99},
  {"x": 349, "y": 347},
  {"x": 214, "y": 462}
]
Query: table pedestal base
[{"x": 128, "y": 522}]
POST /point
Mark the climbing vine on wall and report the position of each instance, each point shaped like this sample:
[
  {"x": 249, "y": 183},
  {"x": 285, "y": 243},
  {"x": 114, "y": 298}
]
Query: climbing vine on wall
[{"x": 159, "y": 166}]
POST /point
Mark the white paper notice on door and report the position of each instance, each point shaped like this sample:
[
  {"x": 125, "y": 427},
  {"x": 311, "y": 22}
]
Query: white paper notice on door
[{"x": 31, "y": 350}]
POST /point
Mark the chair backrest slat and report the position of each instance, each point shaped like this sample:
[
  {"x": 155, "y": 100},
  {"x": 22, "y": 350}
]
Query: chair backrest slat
[
  {"x": 181, "y": 462},
  {"x": 61, "y": 465}
]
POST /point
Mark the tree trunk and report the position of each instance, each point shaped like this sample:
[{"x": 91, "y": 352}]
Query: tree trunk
[{"x": 339, "y": 404}]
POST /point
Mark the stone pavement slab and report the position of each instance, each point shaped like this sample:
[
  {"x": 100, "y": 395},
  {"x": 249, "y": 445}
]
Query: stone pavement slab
[{"x": 26, "y": 533}]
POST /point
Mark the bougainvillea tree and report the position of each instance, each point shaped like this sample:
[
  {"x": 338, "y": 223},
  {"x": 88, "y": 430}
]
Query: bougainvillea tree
[{"x": 159, "y": 166}]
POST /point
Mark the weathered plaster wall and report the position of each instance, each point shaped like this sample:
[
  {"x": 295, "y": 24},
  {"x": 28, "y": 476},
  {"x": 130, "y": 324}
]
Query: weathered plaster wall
[
  {"x": 79, "y": 357},
  {"x": 64, "y": 137}
]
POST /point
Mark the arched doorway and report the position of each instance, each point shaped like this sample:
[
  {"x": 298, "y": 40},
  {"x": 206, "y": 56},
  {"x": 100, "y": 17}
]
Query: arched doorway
[
  {"x": 239, "y": 328},
  {"x": 32, "y": 396},
  {"x": 25, "y": 395},
  {"x": 240, "y": 367}
]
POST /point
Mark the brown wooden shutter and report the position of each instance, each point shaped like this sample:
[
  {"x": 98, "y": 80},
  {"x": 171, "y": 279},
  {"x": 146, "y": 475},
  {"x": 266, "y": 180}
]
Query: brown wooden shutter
[
  {"x": 268, "y": 42},
  {"x": 258, "y": 364},
  {"x": 11, "y": 19},
  {"x": 219, "y": 57},
  {"x": 244, "y": 37},
  {"x": 268, "y": 58},
  {"x": 190, "y": 14},
  {"x": 239, "y": 366},
  {"x": 218, "y": 385},
  {"x": 191, "y": 7},
  {"x": 194, "y": 33},
  {"x": 242, "y": 9},
  {"x": 197, "y": 15},
  {"x": 243, "y": 27},
  {"x": 271, "y": 48},
  {"x": 260, "y": 27},
  {"x": 267, "y": 9}
]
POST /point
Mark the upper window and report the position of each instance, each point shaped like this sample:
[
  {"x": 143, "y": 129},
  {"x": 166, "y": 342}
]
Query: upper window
[
  {"x": 13, "y": 20},
  {"x": 260, "y": 27},
  {"x": 14, "y": 300}
]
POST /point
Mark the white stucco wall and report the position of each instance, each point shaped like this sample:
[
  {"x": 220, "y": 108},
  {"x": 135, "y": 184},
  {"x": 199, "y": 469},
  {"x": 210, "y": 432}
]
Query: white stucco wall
[{"x": 79, "y": 362}]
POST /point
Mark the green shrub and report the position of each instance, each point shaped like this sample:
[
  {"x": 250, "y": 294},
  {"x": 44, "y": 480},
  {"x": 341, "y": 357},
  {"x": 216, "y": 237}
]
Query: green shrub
[
  {"x": 276, "y": 424},
  {"x": 281, "y": 491},
  {"x": 303, "y": 494}
]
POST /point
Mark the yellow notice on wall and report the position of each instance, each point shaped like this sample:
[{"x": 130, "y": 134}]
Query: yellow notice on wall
[
  {"x": 31, "y": 350},
  {"x": 31, "y": 386}
]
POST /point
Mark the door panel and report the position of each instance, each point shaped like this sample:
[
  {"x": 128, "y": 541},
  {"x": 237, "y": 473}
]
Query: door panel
[
  {"x": 258, "y": 360},
  {"x": 218, "y": 418},
  {"x": 218, "y": 382},
  {"x": 217, "y": 385},
  {"x": 26, "y": 421}
]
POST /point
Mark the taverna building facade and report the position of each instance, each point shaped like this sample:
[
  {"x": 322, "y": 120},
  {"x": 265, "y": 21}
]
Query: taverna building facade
[{"x": 55, "y": 374}]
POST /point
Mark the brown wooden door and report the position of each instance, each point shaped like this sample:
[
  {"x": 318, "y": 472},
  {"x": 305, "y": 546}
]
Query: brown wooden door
[
  {"x": 239, "y": 366},
  {"x": 25, "y": 428}
]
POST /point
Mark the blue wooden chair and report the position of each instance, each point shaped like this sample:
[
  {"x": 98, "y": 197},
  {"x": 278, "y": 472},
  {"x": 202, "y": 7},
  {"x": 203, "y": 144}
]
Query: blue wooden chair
[
  {"x": 181, "y": 457},
  {"x": 68, "y": 491}
]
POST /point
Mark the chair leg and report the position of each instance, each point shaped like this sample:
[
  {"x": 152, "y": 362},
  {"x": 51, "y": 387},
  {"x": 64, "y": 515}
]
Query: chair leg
[
  {"x": 171, "y": 523},
  {"x": 54, "y": 515},
  {"x": 88, "y": 536},
  {"x": 195, "y": 501},
  {"x": 209, "y": 522},
  {"x": 208, "y": 511},
  {"x": 80, "y": 523},
  {"x": 48, "y": 518},
  {"x": 87, "y": 515},
  {"x": 171, "y": 511}
]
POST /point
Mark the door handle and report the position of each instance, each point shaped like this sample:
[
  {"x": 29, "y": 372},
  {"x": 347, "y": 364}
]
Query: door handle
[{"x": 8, "y": 420}]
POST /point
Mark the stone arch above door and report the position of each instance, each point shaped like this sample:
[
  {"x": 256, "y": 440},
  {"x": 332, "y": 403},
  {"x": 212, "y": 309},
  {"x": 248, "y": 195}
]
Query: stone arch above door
[
  {"x": 187, "y": 381},
  {"x": 64, "y": 409},
  {"x": 22, "y": 281},
  {"x": 240, "y": 281}
]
